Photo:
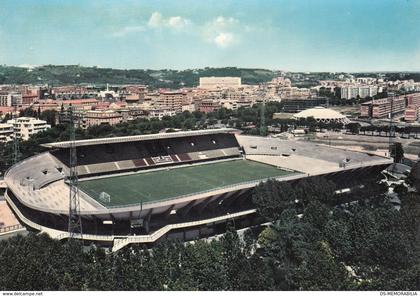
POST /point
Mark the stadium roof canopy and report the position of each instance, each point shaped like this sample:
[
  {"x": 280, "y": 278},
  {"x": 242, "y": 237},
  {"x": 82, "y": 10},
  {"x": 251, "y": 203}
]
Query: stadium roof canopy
[
  {"x": 322, "y": 114},
  {"x": 78, "y": 143}
]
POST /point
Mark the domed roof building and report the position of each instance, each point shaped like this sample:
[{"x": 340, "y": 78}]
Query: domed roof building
[{"x": 322, "y": 114}]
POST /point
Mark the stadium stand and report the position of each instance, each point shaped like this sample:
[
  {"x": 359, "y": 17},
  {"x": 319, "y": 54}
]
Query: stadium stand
[
  {"x": 139, "y": 163},
  {"x": 279, "y": 147},
  {"x": 113, "y": 157},
  {"x": 126, "y": 164},
  {"x": 184, "y": 157},
  {"x": 8, "y": 220}
]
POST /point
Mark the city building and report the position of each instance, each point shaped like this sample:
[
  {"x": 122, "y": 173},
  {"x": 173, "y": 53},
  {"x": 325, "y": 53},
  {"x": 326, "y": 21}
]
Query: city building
[
  {"x": 28, "y": 99},
  {"x": 98, "y": 117},
  {"x": 289, "y": 92},
  {"x": 220, "y": 82},
  {"x": 47, "y": 104},
  {"x": 25, "y": 127},
  {"x": 72, "y": 92},
  {"x": 190, "y": 108},
  {"x": 411, "y": 113},
  {"x": 207, "y": 106},
  {"x": 413, "y": 107},
  {"x": 171, "y": 100},
  {"x": 366, "y": 80},
  {"x": 160, "y": 113},
  {"x": 132, "y": 94},
  {"x": 413, "y": 99},
  {"x": 383, "y": 107},
  {"x": 6, "y": 132},
  {"x": 5, "y": 100},
  {"x": 79, "y": 104},
  {"x": 132, "y": 98},
  {"x": 229, "y": 104},
  {"x": 108, "y": 94},
  {"x": 8, "y": 99},
  {"x": 350, "y": 92},
  {"x": 297, "y": 105}
]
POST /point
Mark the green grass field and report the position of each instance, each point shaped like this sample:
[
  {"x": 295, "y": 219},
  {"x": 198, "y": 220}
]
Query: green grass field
[{"x": 163, "y": 184}]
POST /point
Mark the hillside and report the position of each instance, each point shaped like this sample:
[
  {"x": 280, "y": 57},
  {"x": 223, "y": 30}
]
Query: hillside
[{"x": 74, "y": 74}]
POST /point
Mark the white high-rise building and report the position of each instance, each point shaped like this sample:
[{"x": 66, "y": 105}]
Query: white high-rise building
[
  {"x": 25, "y": 127},
  {"x": 220, "y": 82},
  {"x": 8, "y": 99},
  {"x": 364, "y": 91}
]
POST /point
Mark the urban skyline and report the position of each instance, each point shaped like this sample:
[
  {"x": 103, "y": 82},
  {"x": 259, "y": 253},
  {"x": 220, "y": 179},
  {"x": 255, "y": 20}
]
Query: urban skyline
[{"x": 348, "y": 36}]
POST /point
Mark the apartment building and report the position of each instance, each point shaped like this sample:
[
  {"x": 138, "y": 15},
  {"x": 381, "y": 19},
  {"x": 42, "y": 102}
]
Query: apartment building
[
  {"x": 160, "y": 113},
  {"x": 413, "y": 107},
  {"x": 288, "y": 92},
  {"x": 5, "y": 100},
  {"x": 133, "y": 94},
  {"x": 383, "y": 107},
  {"x": 72, "y": 92},
  {"x": 25, "y": 127},
  {"x": 413, "y": 99},
  {"x": 411, "y": 113},
  {"x": 207, "y": 106},
  {"x": 6, "y": 132},
  {"x": 98, "y": 117},
  {"x": 220, "y": 82},
  {"x": 28, "y": 99},
  {"x": 297, "y": 105},
  {"x": 349, "y": 92},
  {"x": 9, "y": 99},
  {"x": 80, "y": 104},
  {"x": 171, "y": 100}
]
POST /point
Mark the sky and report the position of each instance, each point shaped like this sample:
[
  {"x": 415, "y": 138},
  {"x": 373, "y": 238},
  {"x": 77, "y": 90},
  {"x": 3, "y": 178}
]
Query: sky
[{"x": 293, "y": 35}]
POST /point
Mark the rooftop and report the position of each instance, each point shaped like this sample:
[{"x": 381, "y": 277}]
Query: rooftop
[
  {"x": 383, "y": 101},
  {"x": 67, "y": 144},
  {"x": 320, "y": 113}
]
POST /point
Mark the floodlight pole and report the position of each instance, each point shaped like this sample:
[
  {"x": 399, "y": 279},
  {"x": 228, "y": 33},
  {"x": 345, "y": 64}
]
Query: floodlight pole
[
  {"x": 262, "y": 119},
  {"x": 391, "y": 128},
  {"x": 16, "y": 150},
  {"x": 75, "y": 220}
]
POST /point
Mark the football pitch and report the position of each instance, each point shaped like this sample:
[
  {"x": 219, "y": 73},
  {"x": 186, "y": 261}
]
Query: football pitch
[{"x": 170, "y": 183}]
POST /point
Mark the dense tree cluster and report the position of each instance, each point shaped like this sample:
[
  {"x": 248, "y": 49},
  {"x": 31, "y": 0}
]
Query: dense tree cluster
[
  {"x": 40, "y": 263},
  {"x": 363, "y": 245},
  {"x": 385, "y": 130}
]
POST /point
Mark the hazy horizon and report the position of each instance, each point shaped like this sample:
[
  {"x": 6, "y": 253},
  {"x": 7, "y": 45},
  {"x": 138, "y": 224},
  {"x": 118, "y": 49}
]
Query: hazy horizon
[
  {"x": 287, "y": 35},
  {"x": 27, "y": 66}
]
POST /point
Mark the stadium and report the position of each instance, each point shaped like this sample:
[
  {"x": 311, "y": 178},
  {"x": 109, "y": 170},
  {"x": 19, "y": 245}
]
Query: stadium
[{"x": 182, "y": 185}]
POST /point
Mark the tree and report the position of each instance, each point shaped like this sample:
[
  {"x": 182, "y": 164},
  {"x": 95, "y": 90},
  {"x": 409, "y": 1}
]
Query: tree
[
  {"x": 50, "y": 116},
  {"x": 397, "y": 152},
  {"x": 316, "y": 214},
  {"x": 323, "y": 271},
  {"x": 291, "y": 244},
  {"x": 353, "y": 127},
  {"x": 315, "y": 188},
  {"x": 272, "y": 197}
]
